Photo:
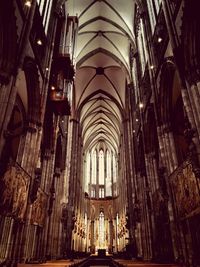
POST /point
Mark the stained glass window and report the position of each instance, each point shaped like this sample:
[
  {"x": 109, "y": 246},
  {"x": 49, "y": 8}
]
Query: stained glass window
[
  {"x": 101, "y": 167},
  {"x": 101, "y": 230},
  {"x": 101, "y": 173},
  {"x": 45, "y": 11},
  {"x": 94, "y": 167}
]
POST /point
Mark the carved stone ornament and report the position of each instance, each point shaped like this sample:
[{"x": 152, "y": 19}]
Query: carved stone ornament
[
  {"x": 185, "y": 189},
  {"x": 35, "y": 186},
  {"x": 14, "y": 188},
  {"x": 158, "y": 201},
  {"x": 39, "y": 208}
]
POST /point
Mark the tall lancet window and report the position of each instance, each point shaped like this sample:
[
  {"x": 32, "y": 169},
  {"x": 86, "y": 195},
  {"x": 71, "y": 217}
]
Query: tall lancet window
[
  {"x": 101, "y": 173},
  {"x": 101, "y": 167},
  {"x": 101, "y": 230},
  {"x": 108, "y": 175},
  {"x": 157, "y": 5},
  {"x": 94, "y": 167},
  {"x": 87, "y": 172},
  {"x": 142, "y": 49},
  {"x": 153, "y": 10},
  {"x": 45, "y": 11},
  {"x": 114, "y": 168}
]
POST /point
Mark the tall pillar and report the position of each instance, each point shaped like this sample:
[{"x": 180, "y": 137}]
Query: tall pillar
[
  {"x": 92, "y": 238},
  {"x": 111, "y": 236},
  {"x": 167, "y": 148},
  {"x": 189, "y": 92},
  {"x": 7, "y": 100},
  {"x": 72, "y": 156},
  {"x": 8, "y": 90},
  {"x": 173, "y": 226}
]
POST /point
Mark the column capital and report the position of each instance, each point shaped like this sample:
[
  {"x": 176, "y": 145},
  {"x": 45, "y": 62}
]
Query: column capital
[
  {"x": 31, "y": 129},
  {"x": 32, "y": 126}
]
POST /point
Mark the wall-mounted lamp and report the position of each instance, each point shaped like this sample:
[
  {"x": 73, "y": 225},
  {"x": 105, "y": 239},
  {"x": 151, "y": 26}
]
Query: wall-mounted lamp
[
  {"x": 141, "y": 105},
  {"x": 28, "y": 3},
  {"x": 39, "y": 42}
]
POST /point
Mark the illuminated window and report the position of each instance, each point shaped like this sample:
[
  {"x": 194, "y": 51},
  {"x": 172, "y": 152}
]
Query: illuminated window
[
  {"x": 108, "y": 161},
  {"x": 157, "y": 5},
  {"x": 153, "y": 10},
  {"x": 114, "y": 169},
  {"x": 101, "y": 167},
  {"x": 108, "y": 175},
  {"x": 142, "y": 49},
  {"x": 101, "y": 192},
  {"x": 93, "y": 192},
  {"x": 94, "y": 167},
  {"x": 100, "y": 173},
  {"x": 152, "y": 17},
  {"x": 87, "y": 172},
  {"x": 117, "y": 228},
  {"x": 45, "y": 11},
  {"x": 85, "y": 222},
  {"x": 114, "y": 166},
  {"x": 101, "y": 230}
]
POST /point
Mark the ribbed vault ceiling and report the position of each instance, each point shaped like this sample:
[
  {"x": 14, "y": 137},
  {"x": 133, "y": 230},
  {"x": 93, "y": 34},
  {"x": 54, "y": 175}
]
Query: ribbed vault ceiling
[{"x": 102, "y": 68}]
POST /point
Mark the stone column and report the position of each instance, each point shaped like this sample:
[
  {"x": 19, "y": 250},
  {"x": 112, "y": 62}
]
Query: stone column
[
  {"x": 175, "y": 233},
  {"x": 111, "y": 236},
  {"x": 29, "y": 149},
  {"x": 8, "y": 91},
  {"x": 170, "y": 149},
  {"x": 129, "y": 178},
  {"x": 5, "y": 242},
  {"x": 27, "y": 158},
  {"x": 56, "y": 193},
  {"x": 193, "y": 116},
  {"x": 92, "y": 238},
  {"x": 167, "y": 148},
  {"x": 8, "y": 94},
  {"x": 190, "y": 92},
  {"x": 73, "y": 162},
  {"x": 146, "y": 228}
]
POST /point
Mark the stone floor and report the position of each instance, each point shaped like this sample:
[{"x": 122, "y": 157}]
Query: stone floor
[
  {"x": 58, "y": 263},
  {"x": 125, "y": 263},
  {"x": 129, "y": 263}
]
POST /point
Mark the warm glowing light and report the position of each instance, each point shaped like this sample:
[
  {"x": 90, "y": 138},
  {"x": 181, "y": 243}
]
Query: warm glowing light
[
  {"x": 159, "y": 39},
  {"x": 152, "y": 67},
  {"x": 57, "y": 93},
  {"x": 28, "y": 3},
  {"x": 141, "y": 105},
  {"x": 53, "y": 88},
  {"x": 136, "y": 120},
  {"x": 39, "y": 42}
]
